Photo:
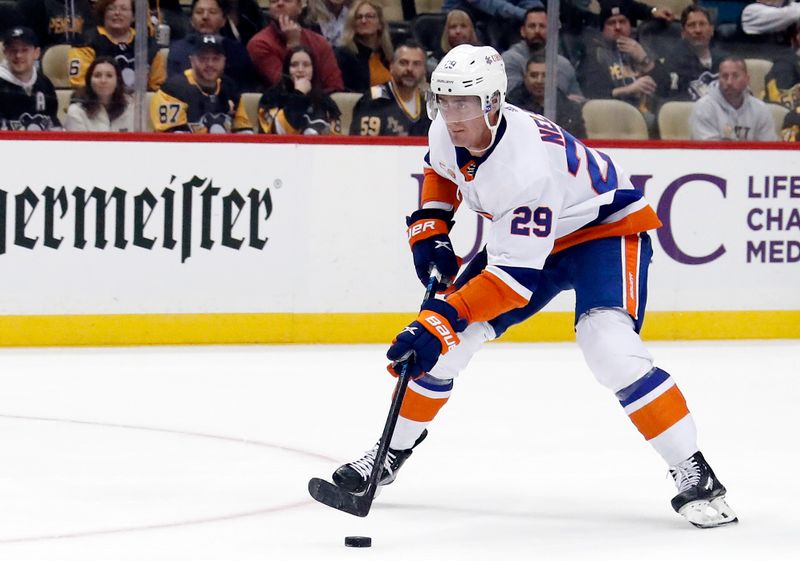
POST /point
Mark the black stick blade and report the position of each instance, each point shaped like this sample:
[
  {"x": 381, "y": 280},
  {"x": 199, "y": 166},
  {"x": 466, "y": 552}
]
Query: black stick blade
[{"x": 334, "y": 497}]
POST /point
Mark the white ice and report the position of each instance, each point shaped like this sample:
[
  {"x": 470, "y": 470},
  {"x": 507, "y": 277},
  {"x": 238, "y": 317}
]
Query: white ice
[{"x": 204, "y": 453}]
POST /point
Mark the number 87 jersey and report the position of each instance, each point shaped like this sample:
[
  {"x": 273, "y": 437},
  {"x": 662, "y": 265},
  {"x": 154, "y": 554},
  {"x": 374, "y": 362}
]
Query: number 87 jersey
[{"x": 542, "y": 189}]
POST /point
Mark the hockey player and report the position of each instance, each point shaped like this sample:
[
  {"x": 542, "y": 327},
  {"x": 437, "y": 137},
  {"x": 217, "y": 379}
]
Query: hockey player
[{"x": 564, "y": 216}]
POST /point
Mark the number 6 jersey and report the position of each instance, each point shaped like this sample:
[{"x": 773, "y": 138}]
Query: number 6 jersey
[{"x": 543, "y": 191}]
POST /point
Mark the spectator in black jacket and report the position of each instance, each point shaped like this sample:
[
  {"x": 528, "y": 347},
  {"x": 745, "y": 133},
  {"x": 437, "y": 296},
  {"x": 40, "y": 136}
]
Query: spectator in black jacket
[
  {"x": 617, "y": 66},
  {"x": 27, "y": 97},
  {"x": 365, "y": 50},
  {"x": 688, "y": 71},
  {"x": 529, "y": 95},
  {"x": 209, "y": 17}
]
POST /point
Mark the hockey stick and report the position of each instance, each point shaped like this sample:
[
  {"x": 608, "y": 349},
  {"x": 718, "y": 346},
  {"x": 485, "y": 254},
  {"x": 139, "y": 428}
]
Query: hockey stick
[{"x": 359, "y": 505}]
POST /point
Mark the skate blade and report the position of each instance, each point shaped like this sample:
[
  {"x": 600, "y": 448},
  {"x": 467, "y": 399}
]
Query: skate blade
[{"x": 709, "y": 514}]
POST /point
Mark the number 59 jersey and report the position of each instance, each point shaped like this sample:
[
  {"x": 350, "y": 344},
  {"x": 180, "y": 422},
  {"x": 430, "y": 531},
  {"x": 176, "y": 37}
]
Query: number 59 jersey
[{"x": 543, "y": 191}]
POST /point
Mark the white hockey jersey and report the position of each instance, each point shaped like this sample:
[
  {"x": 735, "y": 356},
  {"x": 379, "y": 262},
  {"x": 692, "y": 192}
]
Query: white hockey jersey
[{"x": 543, "y": 191}]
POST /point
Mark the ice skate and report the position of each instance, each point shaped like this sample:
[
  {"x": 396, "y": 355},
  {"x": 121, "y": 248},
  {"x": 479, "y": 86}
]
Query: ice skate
[
  {"x": 353, "y": 476},
  {"x": 701, "y": 496}
]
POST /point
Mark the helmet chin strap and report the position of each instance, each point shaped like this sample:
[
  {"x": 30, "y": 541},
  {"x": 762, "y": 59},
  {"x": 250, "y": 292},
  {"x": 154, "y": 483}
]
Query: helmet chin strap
[{"x": 492, "y": 131}]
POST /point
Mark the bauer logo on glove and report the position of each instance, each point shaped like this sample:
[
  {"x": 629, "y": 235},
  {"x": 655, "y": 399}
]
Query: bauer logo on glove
[{"x": 419, "y": 345}]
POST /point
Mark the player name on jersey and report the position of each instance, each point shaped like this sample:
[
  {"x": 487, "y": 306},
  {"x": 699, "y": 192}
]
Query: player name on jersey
[{"x": 61, "y": 212}]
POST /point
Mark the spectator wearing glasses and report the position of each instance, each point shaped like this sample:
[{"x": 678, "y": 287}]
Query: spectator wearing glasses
[
  {"x": 115, "y": 38},
  {"x": 365, "y": 49}
]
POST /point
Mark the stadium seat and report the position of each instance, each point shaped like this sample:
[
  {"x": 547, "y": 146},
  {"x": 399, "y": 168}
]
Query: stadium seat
[
  {"x": 673, "y": 120},
  {"x": 612, "y": 118},
  {"x": 757, "y": 68},
  {"x": 250, "y": 101},
  {"x": 55, "y": 65},
  {"x": 427, "y": 30},
  {"x": 346, "y": 101},
  {"x": 778, "y": 115},
  {"x": 64, "y": 97}
]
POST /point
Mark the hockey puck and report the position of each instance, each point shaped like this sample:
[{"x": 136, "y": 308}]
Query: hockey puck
[{"x": 358, "y": 541}]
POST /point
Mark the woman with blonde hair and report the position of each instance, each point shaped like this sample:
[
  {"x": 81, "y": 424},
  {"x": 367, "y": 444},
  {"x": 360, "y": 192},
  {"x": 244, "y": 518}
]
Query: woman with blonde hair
[
  {"x": 458, "y": 30},
  {"x": 365, "y": 50}
]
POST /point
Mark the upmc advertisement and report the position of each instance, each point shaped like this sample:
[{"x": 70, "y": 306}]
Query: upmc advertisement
[{"x": 136, "y": 227}]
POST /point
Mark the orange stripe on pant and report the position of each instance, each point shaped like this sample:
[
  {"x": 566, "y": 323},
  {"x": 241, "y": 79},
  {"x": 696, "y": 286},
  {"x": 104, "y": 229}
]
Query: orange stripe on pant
[
  {"x": 631, "y": 272},
  {"x": 420, "y": 408},
  {"x": 661, "y": 413}
]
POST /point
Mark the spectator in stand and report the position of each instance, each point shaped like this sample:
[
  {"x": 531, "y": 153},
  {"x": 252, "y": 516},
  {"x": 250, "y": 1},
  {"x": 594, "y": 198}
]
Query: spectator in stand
[
  {"x": 579, "y": 16},
  {"x": 783, "y": 79},
  {"x": 56, "y": 22},
  {"x": 688, "y": 71},
  {"x": 209, "y": 17},
  {"x": 115, "y": 38},
  {"x": 769, "y": 20},
  {"x": 329, "y": 17},
  {"x": 27, "y": 97},
  {"x": 529, "y": 95},
  {"x": 458, "y": 30},
  {"x": 729, "y": 111},
  {"x": 499, "y": 19},
  {"x": 617, "y": 66},
  {"x": 534, "y": 37},
  {"x": 396, "y": 108},
  {"x": 202, "y": 99},
  {"x": 365, "y": 49},
  {"x": 102, "y": 104},
  {"x": 269, "y": 46},
  {"x": 295, "y": 106}
]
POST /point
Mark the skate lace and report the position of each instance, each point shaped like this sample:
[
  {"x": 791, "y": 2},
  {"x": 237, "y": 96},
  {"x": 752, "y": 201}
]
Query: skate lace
[
  {"x": 364, "y": 465},
  {"x": 686, "y": 474}
]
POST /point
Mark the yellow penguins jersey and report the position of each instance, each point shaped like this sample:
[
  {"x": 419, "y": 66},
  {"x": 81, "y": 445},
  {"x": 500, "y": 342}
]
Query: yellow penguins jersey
[
  {"x": 543, "y": 191},
  {"x": 281, "y": 112},
  {"x": 380, "y": 113},
  {"x": 99, "y": 43},
  {"x": 181, "y": 105}
]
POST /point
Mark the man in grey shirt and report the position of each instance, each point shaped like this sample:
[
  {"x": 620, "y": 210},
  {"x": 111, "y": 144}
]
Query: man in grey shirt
[
  {"x": 534, "y": 36},
  {"x": 729, "y": 111}
]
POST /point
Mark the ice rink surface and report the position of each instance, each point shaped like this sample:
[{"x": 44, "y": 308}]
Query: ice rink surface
[{"x": 204, "y": 453}]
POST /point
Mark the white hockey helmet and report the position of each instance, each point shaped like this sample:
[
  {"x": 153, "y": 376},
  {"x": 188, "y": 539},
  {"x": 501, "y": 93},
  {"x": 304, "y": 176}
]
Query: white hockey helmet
[{"x": 467, "y": 70}]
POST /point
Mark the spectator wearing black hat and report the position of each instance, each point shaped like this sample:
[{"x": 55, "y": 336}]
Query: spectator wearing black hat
[
  {"x": 27, "y": 97},
  {"x": 202, "y": 99},
  {"x": 616, "y": 65},
  {"x": 56, "y": 22},
  {"x": 209, "y": 17}
]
